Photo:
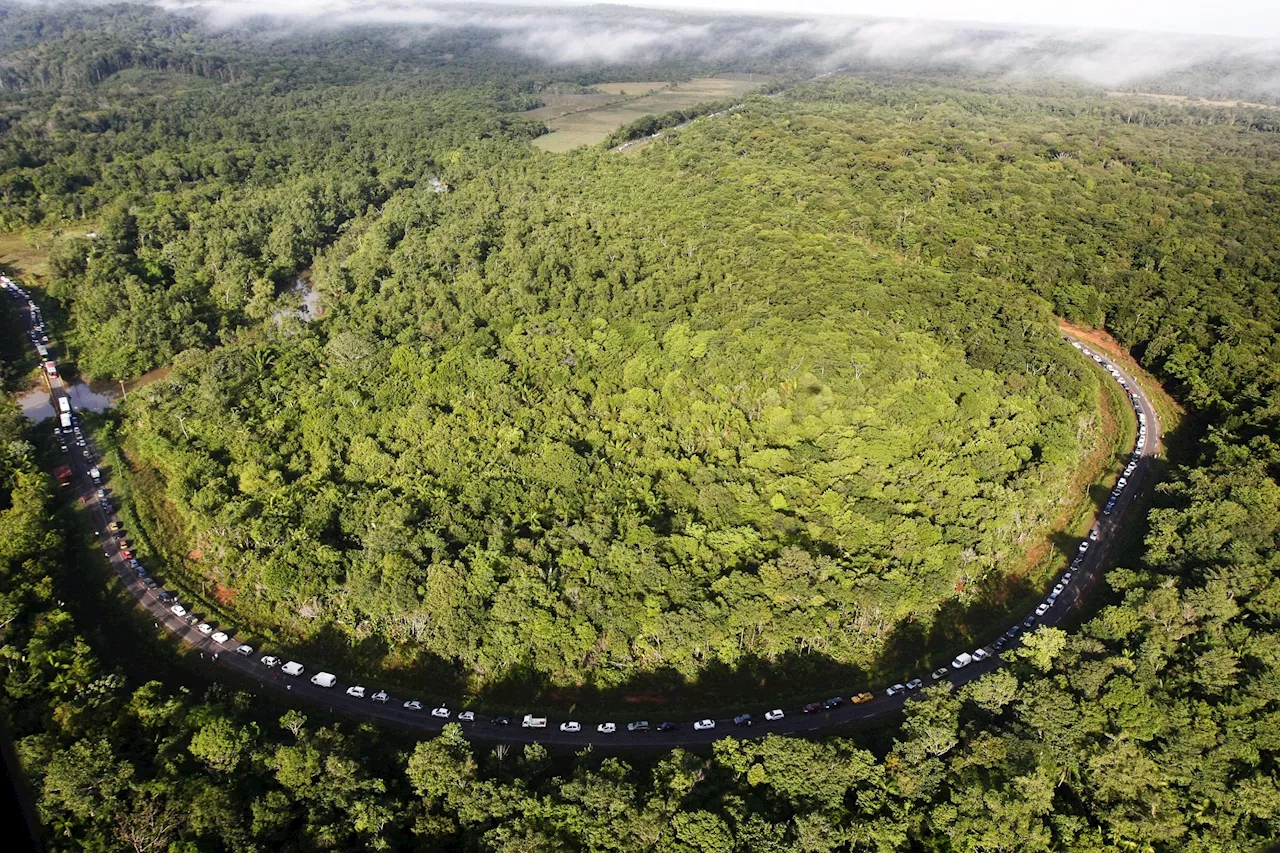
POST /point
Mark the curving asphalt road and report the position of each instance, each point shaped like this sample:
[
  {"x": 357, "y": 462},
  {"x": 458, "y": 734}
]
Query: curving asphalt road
[{"x": 249, "y": 667}]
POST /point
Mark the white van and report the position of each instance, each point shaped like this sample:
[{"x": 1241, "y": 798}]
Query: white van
[
  {"x": 292, "y": 668},
  {"x": 324, "y": 679}
]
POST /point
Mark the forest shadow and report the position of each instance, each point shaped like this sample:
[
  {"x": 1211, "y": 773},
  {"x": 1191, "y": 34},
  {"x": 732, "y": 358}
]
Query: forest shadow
[{"x": 718, "y": 687}]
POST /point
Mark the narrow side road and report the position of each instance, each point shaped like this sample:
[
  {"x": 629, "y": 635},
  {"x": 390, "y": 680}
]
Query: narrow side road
[{"x": 247, "y": 663}]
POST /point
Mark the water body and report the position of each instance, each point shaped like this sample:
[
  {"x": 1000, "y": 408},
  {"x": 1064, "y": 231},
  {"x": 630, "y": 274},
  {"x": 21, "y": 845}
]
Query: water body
[
  {"x": 88, "y": 398},
  {"x": 85, "y": 397},
  {"x": 36, "y": 405},
  {"x": 308, "y": 310}
]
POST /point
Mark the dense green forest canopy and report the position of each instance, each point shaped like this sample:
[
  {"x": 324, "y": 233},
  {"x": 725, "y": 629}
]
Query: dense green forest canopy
[
  {"x": 596, "y": 414},
  {"x": 816, "y": 338}
]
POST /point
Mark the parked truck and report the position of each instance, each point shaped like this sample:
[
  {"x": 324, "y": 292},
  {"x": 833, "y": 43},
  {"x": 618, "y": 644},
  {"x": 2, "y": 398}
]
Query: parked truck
[
  {"x": 532, "y": 722},
  {"x": 64, "y": 405},
  {"x": 65, "y": 419}
]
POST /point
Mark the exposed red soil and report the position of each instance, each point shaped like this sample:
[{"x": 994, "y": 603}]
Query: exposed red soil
[{"x": 226, "y": 595}]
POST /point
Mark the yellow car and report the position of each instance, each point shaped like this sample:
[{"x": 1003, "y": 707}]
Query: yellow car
[{"x": 862, "y": 697}]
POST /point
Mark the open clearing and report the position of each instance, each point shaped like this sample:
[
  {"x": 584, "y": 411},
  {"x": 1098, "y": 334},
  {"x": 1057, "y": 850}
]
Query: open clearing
[
  {"x": 630, "y": 88},
  {"x": 22, "y": 257},
  {"x": 1190, "y": 101},
  {"x": 591, "y": 118},
  {"x": 23, "y": 253}
]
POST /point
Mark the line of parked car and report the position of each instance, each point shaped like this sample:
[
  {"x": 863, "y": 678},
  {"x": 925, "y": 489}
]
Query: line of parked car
[
  {"x": 328, "y": 680},
  {"x": 1141, "y": 441}
]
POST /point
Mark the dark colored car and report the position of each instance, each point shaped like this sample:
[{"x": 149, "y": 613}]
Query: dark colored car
[
  {"x": 743, "y": 720},
  {"x": 501, "y": 721},
  {"x": 833, "y": 703},
  {"x": 667, "y": 727},
  {"x": 812, "y": 708}
]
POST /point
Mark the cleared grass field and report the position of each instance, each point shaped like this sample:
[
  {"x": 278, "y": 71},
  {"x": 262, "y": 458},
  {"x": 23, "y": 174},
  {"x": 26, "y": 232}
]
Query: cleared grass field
[
  {"x": 23, "y": 253},
  {"x": 19, "y": 256},
  {"x": 591, "y": 123}
]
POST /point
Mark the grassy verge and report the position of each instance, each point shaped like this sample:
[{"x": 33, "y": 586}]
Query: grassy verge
[
  {"x": 154, "y": 530},
  {"x": 1168, "y": 410}
]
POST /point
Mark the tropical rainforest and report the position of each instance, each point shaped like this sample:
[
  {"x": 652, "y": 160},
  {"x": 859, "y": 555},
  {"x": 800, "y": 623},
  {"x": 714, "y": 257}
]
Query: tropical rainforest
[{"x": 753, "y": 395}]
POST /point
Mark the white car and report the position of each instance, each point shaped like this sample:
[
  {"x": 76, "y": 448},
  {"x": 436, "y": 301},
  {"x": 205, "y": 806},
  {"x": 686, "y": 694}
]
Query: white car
[
  {"x": 380, "y": 696},
  {"x": 178, "y": 610},
  {"x": 981, "y": 654},
  {"x": 704, "y": 725},
  {"x": 220, "y": 637},
  {"x": 775, "y": 714},
  {"x": 413, "y": 705},
  {"x": 204, "y": 628},
  {"x": 606, "y": 728},
  {"x": 467, "y": 716},
  {"x": 356, "y": 692},
  {"x": 270, "y": 660},
  {"x": 245, "y": 651},
  {"x": 1042, "y": 609},
  {"x": 571, "y": 726},
  {"x": 1093, "y": 535},
  {"x": 1057, "y": 589},
  {"x": 441, "y": 712},
  {"x": 896, "y": 689},
  {"x": 1084, "y": 546}
]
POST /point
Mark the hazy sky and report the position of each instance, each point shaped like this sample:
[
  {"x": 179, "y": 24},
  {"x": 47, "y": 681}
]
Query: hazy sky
[{"x": 1230, "y": 17}]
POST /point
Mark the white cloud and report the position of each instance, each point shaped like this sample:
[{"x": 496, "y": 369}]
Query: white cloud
[{"x": 619, "y": 34}]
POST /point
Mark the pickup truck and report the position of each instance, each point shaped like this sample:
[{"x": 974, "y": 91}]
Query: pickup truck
[{"x": 532, "y": 722}]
